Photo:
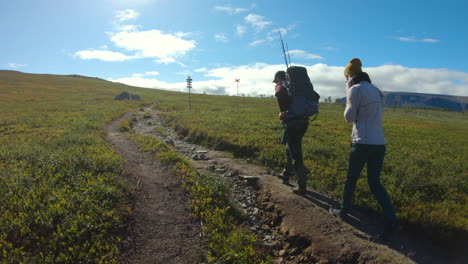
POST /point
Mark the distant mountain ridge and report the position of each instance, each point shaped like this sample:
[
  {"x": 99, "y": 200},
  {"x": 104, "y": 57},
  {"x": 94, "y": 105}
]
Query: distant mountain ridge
[{"x": 423, "y": 100}]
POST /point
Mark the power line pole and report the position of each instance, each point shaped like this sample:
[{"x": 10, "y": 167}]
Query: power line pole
[{"x": 189, "y": 86}]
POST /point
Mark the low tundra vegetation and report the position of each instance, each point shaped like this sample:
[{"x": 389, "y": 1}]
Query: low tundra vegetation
[
  {"x": 226, "y": 242},
  {"x": 62, "y": 197},
  {"x": 63, "y": 200},
  {"x": 425, "y": 168}
]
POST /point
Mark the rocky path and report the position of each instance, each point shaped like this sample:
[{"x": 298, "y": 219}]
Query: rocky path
[{"x": 295, "y": 229}]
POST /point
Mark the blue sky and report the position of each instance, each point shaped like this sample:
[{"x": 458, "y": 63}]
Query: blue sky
[{"x": 413, "y": 46}]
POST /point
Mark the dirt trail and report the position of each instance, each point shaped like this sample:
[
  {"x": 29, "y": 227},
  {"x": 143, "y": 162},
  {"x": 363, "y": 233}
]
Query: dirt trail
[
  {"x": 162, "y": 229},
  {"x": 295, "y": 229}
]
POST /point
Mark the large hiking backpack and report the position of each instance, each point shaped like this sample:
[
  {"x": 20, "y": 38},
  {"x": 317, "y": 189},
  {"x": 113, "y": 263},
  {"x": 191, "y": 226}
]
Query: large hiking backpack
[{"x": 305, "y": 99}]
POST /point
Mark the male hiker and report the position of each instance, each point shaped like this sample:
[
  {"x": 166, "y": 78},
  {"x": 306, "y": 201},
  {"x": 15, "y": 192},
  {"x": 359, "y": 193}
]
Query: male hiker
[
  {"x": 364, "y": 110},
  {"x": 294, "y": 130}
]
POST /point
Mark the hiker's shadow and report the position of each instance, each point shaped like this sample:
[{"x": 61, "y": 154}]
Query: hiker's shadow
[
  {"x": 369, "y": 226},
  {"x": 326, "y": 202},
  {"x": 320, "y": 200},
  {"x": 360, "y": 219}
]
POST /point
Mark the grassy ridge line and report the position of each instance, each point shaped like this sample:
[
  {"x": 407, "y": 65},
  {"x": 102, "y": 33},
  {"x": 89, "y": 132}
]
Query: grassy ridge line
[
  {"x": 425, "y": 169},
  {"x": 62, "y": 196},
  {"x": 226, "y": 242}
]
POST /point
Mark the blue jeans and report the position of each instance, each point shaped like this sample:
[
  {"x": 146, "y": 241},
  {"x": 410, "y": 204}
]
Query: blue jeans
[
  {"x": 373, "y": 155},
  {"x": 293, "y": 133}
]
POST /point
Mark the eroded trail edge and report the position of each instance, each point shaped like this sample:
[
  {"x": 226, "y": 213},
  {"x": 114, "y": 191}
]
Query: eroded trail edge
[{"x": 295, "y": 229}]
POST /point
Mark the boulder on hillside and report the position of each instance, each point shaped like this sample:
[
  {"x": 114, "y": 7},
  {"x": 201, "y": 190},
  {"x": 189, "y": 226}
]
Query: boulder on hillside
[{"x": 127, "y": 96}]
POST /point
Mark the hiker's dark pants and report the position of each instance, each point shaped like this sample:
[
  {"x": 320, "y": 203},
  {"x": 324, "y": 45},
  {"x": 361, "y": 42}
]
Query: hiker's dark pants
[
  {"x": 373, "y": 155},
  {"x": 292, "y": 137}
]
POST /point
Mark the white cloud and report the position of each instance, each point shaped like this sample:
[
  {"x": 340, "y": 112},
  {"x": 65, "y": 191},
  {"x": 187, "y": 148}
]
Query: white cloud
[
  {"x": 151, "y": 83},
  {"x": 231, "y": 10},
  {"x": 128, "y": 28},
  {"x": 430, "y": 40},
  {"x": 201, "y": 70},
  {"x": 13, "y": 65},
  {"x": 414, "y": 39},
  {"x": 221, "y": 37},
  {"x": 104, "y": 55},
  {"x": 272, "y": 35},
  {"x": 163, "y": 47},
  {"x": 254, "y": 80},
  {"x": 183, "y": 34},
  {"x": 125, "y": 15},
  {"x": 257, "y": 21},
  {"x": 300, "y": 54},
  {"x": 328, "y": 80},
  {"x": 437, "y": 81},
  {"x": 166, "y": 60},
  {"x": 260, "y": 41},
  {"x": 153, "y": 44},
  {"x": 153, "y": 73},
  {"x": 283, "y": 31},
  {"x": 240, "y": 30},
  {"x": 329, "y": 48},
  {"x": 257, "y": 42}
]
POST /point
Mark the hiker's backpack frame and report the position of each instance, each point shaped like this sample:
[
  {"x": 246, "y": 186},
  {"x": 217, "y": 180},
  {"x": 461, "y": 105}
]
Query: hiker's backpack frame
[{"x": 305, "y": 100}]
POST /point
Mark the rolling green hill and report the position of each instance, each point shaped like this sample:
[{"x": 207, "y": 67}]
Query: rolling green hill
[{"x": 63, "y": 199}]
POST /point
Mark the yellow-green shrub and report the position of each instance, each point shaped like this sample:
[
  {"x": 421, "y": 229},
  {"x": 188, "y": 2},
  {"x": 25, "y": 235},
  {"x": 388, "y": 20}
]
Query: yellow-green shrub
[{"x": 226, "y": 243}]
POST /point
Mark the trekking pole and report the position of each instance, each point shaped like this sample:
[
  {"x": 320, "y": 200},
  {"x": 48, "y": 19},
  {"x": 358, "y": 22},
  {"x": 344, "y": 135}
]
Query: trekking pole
[
  {"x": 287, "y": 82},
  {"x": 287, "y": 50},
  {"x": 284, "y": 51}
]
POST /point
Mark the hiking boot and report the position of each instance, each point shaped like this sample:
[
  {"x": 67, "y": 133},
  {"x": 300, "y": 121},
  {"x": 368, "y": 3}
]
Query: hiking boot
[
  {"x": 284, "y": 176},
  {"x": 338, "y": 213},
  {"x": 299, "y": 191}
]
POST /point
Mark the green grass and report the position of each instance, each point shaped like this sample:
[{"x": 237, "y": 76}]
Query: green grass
[
  {"x": 125, "y": 125},
  {"x": 226, "y": 242},
  {"x": 425, "y": 169},
  {"x": 62, "y": 199},
  {"x": 148, "y": 143}
]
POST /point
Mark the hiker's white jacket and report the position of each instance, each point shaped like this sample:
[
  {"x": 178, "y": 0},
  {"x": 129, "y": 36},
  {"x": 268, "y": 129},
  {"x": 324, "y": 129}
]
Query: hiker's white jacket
[{"x": 364, "y": 110}]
